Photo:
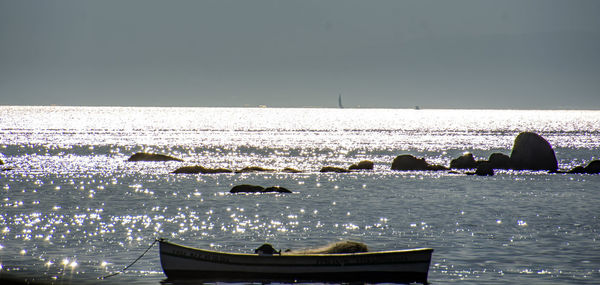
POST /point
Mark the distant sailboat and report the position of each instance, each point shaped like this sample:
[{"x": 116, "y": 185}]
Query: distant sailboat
[{"x": 340, "y": 102}]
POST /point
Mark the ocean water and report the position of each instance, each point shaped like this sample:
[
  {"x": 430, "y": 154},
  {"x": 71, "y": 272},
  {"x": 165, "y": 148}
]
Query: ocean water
[{"x": 72, "y": 208}]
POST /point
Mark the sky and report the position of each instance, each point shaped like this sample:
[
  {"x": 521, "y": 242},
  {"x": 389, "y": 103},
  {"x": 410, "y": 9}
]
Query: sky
[{"x": 512, "y": 54}]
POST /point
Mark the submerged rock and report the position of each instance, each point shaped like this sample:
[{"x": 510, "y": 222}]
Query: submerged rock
[
  {"x": 532, "y": 152},
  {"x": 254, "y": 169},
  {"x": 363, "y": 165},
  {"x": 408, "y": 162},
  {"x": 291, "y": 170},
  {"x": 142, "y": 156},
  {"x": 466, "y": 161},
  {"x": 334, "y": 169},
  {"x": 200, "y": 169}
]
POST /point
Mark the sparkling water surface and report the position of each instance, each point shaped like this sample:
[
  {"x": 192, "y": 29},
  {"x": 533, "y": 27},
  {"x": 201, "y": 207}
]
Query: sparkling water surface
[{"x": 73, "y": 209}]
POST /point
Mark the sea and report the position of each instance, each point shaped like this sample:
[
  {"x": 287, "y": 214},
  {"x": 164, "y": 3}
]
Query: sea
[{"x": 73, "y": 209}]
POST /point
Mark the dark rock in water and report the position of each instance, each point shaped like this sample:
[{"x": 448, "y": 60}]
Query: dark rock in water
[
  {"x": 1, "y": 162},
  {"x": 408, "y": 162},
  {"x": 363, "y": 165},
  {"x": 276, "y": 189},
  {"x": 466, "y": 161},
  {"x": 142, "y": 156},
  {"x": 334, "y": 169},
  {"x": 246, "y": 188},
  {"x": 484, "y": 169},
  {"x": 7, "y": 169},
  {"x": 199, "y": 169},
  {"x": 592, "y": 168},
  {"x": 532, "y": 152},
  {"x": 254, "y": 169},
  {"x": 291, "y": 170},
  {"x": 499, "y": 161}
]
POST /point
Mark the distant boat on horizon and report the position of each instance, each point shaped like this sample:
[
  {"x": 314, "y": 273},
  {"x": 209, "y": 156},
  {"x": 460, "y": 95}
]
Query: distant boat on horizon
[
  {"x": 417, "y": 108},
  {"x": 340, "y": 102}
]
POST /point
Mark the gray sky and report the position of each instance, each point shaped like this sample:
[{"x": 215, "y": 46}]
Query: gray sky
[{"x": 537, "y": 54}]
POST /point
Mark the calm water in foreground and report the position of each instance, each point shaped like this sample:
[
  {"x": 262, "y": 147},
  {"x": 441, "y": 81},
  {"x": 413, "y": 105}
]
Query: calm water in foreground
[{"x": 73, "y": 209}]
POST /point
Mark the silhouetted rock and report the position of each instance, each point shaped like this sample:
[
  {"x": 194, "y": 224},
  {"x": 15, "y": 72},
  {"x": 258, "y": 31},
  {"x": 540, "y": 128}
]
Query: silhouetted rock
[
  {"x": 254, "y": 169},
  {"x": 408, "y": 162},
  {"x": 246, "y": 188},
  {"x": 276, "y": 189},
  {"x": 499, "y": 161},
  {"x": 532, "y": 152},
  {"x": 484, "y": 169},
  {"x": 291, "y": 170},
  {"x": 199, "y": 169},
  {"x": 334, "y": 169},
  {"x": 466, "y": 161},
  {"x": 363, "y": 165},
  {"x": 592, "y": 168},
  {"x": 142, "y": 156}
]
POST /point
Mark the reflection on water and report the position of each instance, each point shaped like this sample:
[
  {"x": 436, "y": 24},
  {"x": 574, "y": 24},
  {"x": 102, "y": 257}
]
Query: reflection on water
[{"x": 73, "y": 208}]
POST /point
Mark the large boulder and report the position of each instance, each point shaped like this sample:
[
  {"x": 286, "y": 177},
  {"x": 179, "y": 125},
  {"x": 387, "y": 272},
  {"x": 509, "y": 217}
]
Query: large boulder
[
  {"x": 499, "y": 161},
  {"x": 200, "y": 169},
  {"x": 466, "y": 161},
  {"x": 334, "y": 169},
  {"x": 363, "y": 165},
  {"x": 407, "y": 162},
  {"x": 143, "y": 156},
  {"x": 532, "y": 152},
  {"x": 592, "y": 168}
]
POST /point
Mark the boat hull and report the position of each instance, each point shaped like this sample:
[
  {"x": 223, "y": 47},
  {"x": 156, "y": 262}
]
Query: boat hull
[{"x": 181, "y": 262}]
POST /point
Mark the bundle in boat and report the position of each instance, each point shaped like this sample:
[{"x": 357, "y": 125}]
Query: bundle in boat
[{"x": 345, "y": 246}]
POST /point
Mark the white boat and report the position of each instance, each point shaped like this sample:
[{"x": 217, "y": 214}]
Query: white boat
[{"x": 398, "y": 266}]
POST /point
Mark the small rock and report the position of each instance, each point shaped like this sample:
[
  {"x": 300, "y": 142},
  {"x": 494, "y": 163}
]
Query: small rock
[
  {"x": 291, "y": 170},
  {"x": 363, "y": 165},
  {"x": 334, "y": 169},
  {"x": 409, "y": 162},
  {"x": 142, "y": 156},
  {"x": 499, "y": 161},
  {"x": 199, "y": 169},
  {"x": 254, "y": 169},
  {"x": 246, "y": 188},
  {"x": 466, "y": 161}
]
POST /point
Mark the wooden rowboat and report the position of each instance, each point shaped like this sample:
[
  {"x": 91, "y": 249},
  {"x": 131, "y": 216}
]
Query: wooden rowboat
[{"x": 398, "y": 266}]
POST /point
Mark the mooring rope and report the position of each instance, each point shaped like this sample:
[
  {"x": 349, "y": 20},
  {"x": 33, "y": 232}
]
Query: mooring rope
[{"x": 125, "y": 268}]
